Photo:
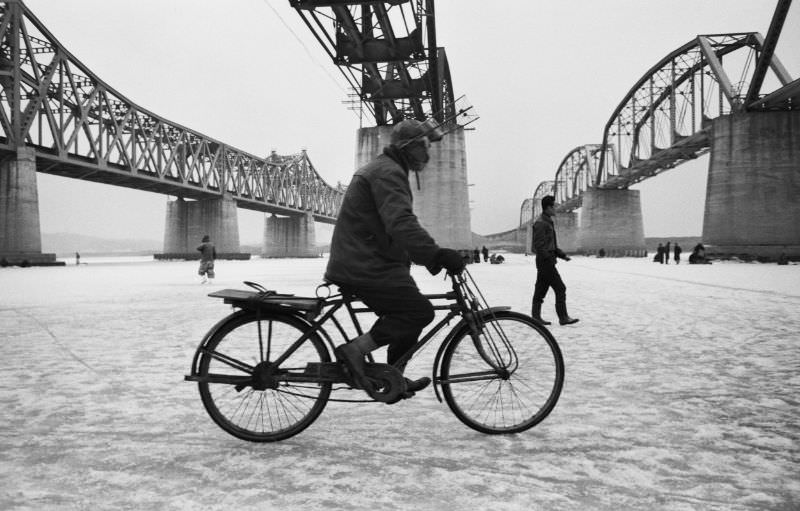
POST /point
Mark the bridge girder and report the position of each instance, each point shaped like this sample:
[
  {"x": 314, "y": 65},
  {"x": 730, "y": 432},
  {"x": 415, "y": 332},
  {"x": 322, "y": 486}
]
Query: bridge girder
[
  {"x": 765, "y": 59},
  {"x": 545, "y": 188},
  {"x": 526, "y": 212},
  {"x": 82, "y": 128},
  {"x": 388, "y": 54},
  {"x": 663, "y": 119},
  {"x": 577, "y": 172}
]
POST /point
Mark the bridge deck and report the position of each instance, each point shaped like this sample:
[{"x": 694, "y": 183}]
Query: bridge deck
[{"x": 117, "y": 175}]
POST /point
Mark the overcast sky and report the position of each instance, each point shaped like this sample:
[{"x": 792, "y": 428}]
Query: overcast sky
[{"x": 544, "y": 77}]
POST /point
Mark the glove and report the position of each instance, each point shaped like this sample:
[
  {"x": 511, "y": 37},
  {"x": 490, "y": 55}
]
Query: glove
[{"x": 450, "y": 260}]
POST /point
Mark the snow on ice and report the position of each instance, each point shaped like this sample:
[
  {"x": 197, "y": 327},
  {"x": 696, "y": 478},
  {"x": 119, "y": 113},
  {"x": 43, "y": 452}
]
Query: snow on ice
[{"x": 681, "y": 392}]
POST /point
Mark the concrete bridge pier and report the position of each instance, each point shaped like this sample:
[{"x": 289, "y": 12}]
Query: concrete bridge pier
[
  {"x": 753, "y": 193},
  {"x": 442, "y": 201},
  {"x": 525, "y": 237},
  {"x": 20, "y": 234},
  {"x": 188, "y": 221},
  {"x": 291, "y": 236},
  {"x": 612, "y": 220},
  {"x": 568, "y": 232}
]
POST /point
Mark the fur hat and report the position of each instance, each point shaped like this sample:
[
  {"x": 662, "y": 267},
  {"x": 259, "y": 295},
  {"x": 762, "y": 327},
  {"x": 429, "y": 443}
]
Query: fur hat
[{"x": 405, "y": 131}]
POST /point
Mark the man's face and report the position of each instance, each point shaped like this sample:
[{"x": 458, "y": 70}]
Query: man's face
[
  {"x": 419, "y": 153},
  {"x": 550, "y": 210}
]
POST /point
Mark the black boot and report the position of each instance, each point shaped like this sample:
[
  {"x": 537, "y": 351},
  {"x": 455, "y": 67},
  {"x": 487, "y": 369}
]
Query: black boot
[
  {"x": 536, "y": 313},
  {"x": 417, "y": 385},
  {"x": 563, "y": 317},
  {"x": 353, "y": 359},
  {"x": 412, "y": 386}
]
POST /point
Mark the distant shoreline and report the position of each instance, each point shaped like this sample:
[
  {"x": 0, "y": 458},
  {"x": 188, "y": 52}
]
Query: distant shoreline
[{"x": 132, "y": 253}]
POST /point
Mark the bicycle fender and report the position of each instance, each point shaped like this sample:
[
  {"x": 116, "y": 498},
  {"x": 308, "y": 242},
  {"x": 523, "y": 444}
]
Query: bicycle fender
[
  {"x": 211, "y": 331},
  {"x": 219, "y": 324},
  {"x": 455, "y": 331}
]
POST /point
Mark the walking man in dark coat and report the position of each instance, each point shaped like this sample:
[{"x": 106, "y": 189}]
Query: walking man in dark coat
[{"x": 547, "y": 276}]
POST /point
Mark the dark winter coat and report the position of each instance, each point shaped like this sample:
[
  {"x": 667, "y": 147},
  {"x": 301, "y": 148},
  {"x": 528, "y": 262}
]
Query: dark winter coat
[
  {"x": 207, "y": 251},
  {"x": 377, "y": 235},
  {"x": 544, "y": 239}
]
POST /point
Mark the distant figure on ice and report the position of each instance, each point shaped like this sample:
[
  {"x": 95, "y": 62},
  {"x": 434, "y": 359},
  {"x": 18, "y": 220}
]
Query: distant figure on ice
[
  {"x": 546, "y": 248},
  {"x": 678, "y": 251},
  {"x": 77, "y": 259},
  {"x": 783, "y": 260},
  {"x": 497, "y": 259},
  {"x": 659, "y": 254},
  {"x": 666, "y": 254},
  {"x": 485, "y": 252},
  {"x": 208, "y": 253},
  {"x": 698, "y": 255},
  {"x": 476, "y": 255}
]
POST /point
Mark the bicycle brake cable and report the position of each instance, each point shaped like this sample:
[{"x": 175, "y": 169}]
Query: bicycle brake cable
[{"x": 513, "y": 359}]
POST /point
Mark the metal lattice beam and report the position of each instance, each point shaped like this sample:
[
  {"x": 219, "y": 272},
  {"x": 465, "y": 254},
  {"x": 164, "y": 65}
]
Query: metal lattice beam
[
  {"x": 82, "y": 128},
  {"x": 388, "y": 54},
  {"x": 765, "y": 59}
]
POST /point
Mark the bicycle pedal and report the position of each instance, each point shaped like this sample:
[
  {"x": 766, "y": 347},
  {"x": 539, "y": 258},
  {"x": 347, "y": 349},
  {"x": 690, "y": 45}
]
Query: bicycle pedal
[{"x": 389, "y": 384}]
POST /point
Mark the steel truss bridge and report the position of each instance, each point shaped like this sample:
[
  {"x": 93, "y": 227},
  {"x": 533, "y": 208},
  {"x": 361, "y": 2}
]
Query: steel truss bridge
[
  {"x": 665, "y": 118},
  {"x": 80, "y": 127}
]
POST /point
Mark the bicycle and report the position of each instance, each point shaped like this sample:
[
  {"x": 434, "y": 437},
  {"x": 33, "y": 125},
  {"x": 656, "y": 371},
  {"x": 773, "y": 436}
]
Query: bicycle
[{"x": 265, "y": 372}]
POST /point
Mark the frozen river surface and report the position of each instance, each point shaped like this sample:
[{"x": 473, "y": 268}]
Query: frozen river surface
[{"x": 681, "y": 392}]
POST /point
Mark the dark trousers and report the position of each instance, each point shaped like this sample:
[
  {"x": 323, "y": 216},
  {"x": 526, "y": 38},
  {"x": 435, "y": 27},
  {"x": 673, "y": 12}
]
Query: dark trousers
[
  {"x": 546, "y": 277},
  {"x": 402, "y": 314}
]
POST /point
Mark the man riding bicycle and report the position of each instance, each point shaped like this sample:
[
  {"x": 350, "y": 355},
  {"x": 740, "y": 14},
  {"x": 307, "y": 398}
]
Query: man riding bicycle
[{"x": 376, "y": 238}]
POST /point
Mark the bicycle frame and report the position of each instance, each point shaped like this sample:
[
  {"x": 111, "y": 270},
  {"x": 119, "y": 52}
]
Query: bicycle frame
[
  {"x": 463, "y": 303},
  {"x": 280, "y": 390}
]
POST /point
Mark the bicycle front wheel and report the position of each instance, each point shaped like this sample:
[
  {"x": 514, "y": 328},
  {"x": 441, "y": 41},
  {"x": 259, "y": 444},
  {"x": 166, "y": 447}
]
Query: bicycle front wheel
[
  {"x": 265, "y": 405},
  {"x": 510, "y": 391}
]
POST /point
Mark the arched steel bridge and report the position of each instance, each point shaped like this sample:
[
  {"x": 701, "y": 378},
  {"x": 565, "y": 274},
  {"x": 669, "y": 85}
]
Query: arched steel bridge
[
  {"x": 664, "y": 120},
  {"x": 80, "y": 127}
]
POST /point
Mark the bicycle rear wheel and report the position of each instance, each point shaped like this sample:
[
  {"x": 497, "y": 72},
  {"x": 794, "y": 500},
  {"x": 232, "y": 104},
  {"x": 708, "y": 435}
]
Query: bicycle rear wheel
[
  {"x": 516, "y": 397},
  {"x": 264, "y": 407}
]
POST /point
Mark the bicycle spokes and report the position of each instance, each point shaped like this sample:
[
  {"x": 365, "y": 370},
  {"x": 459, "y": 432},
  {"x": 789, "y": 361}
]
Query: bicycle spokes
[
  {"x": 503, "y": 401},
  {"x": 228, "y": 360}
]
